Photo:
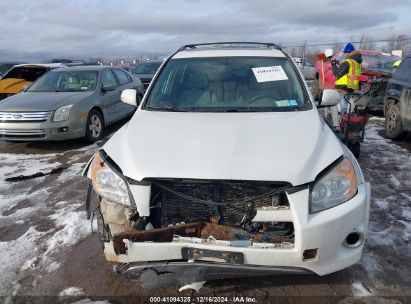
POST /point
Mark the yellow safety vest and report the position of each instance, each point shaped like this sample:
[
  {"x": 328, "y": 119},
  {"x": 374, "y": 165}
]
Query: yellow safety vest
[
  {"x": 396, "y": 64},
  {"x": 351, "y": 79}
]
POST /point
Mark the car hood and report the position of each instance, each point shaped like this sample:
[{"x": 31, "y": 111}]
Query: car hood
[
  {"x": 13, "y": 85},
  {"x": 41, "y": 101},
  {"x": 289, "y": 147}
]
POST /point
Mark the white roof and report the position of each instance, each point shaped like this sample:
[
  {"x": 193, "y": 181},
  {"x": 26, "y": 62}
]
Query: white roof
[
  {"x": 44, "y": 65},
  {"x": 228, "y": 52}
]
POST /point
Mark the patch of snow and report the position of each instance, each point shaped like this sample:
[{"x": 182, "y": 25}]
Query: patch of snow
[
  {"x": 74, "y": 228},
  {"x": 53, "y": 266},
  {"x": 376, "y": 118},
  {"x": 381, "y": 204},
  {"x": 16, "y": 252},
  {"x": 406, "y": 214},
  {"x": 395, "y": 181},
  {"x": 371, "y": 265},
  {"x": 406, "y": 196},
  {"x": 406, "y": 234},
  {"x": 72, "y": 291},
  {"x": 31, "y": 263},
  {"x": 359, "y": 290}
]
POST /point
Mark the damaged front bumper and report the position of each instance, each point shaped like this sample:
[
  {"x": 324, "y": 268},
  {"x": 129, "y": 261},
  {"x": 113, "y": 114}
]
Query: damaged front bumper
[
  {"x": 321, "y": 243},
  {"x": 162, "y": 274}
]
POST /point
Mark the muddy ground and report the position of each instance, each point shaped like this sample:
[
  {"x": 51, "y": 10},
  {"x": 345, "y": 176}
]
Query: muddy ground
[{"x": 47, "y": 248}]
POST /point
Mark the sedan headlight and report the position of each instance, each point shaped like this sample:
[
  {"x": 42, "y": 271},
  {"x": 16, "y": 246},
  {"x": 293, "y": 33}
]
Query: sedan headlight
[
  {"x": 62, "y": 113},
  {"x": 334, "y": 188},
  {"x": 108, "y": 182}
]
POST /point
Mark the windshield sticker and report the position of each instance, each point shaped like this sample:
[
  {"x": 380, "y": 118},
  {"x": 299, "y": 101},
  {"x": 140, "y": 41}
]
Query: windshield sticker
[
  {"x": 271, "y": 73},
  {"x": 282, "y": 103},
  {"x": 293, "y": 102}
]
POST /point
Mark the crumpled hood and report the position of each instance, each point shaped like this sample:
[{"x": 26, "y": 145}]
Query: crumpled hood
[
  {"x": 285, "y": 147},
  {"x": 13, "y": 85},
  {"x": 41, "y": 101}
]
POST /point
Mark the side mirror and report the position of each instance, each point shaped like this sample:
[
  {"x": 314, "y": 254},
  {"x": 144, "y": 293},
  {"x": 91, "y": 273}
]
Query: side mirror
[
  {"x": 330, "y": 98},
  {"x": 129, "y": 96},
  {"x": 108, "y": 87}
]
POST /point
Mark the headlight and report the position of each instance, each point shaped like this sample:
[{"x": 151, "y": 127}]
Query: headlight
[
  {"x": 336, "y": 187},
  {"x": 107, "y": 182},
  {"x": 62, "y": 113}
]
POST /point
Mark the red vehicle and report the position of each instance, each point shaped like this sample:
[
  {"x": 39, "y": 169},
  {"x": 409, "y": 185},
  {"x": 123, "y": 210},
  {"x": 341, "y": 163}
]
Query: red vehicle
[{"x": 376, "y": 70}]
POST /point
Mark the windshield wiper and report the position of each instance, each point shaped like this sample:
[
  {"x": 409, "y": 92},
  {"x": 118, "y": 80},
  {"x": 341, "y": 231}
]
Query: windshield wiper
[{"x": 165, "y": 108}]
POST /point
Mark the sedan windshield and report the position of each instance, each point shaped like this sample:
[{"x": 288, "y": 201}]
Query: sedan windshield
[
  {"x": 66, "y": 81},
  {"x": 146, "y": 68},
  {"x": 228, "y": 84}
]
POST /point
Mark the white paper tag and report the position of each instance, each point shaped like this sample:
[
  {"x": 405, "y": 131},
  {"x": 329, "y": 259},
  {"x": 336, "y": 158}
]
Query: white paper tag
[{"x": 271, "y": 73}]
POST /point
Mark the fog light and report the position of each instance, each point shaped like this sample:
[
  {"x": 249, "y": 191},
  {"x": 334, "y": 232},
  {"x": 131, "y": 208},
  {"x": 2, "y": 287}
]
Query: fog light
[
  {"x": 354, "y": 239},
  {"x": 310, "y": 254},
  {"x": 64, "y": 129}
]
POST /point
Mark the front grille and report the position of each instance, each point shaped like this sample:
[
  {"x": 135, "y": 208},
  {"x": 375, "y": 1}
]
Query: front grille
[
  {"x": 24, "y": 116},
  {"x": 176, "y": 209},
  {"x": 22, "y": 133}
]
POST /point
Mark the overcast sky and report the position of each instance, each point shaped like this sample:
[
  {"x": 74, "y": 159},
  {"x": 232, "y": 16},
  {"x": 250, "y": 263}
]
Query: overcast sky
[{"x": 46, "y": 29}]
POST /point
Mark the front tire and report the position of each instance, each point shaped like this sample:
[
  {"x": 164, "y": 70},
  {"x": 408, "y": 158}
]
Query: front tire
[
  {"x": 94, "y": 126},
  {"x": 393, "y": 124}
]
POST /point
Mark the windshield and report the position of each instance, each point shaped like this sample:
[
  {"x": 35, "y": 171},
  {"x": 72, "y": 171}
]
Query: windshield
[
  {"x": 4, "y": 68},
  {"x": 146, "y": 68},
  {"x": 66, "y": 81},
  {"x": 27, "y": 73},
  {"x": 234, "y": 84},
  {"x": 378, "y": 62}
]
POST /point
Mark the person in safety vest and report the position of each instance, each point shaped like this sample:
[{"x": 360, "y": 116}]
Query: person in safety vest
[
  {"x": 396, "y": 64},
  {"x": 347, "y": 73}
]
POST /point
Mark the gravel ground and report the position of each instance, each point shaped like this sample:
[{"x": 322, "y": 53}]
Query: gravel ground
[{"x": 47, "y": 248}]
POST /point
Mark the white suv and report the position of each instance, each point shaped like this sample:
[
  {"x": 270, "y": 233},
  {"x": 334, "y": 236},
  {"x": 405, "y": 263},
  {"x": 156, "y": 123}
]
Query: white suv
[{"x": 226, "y": 169}]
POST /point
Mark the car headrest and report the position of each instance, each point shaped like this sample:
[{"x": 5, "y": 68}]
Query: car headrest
[
  {"x": 230, "y": 86},
  {"x": 198, "y": 81}
]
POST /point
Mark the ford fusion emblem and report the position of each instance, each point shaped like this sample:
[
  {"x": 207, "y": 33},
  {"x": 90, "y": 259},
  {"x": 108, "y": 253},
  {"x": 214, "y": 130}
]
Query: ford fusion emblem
[{"x": 17, "y": 116}]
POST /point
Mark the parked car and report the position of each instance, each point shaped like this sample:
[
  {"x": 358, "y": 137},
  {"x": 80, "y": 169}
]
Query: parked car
[
  {"x": 232, "y": 173},
  {"x": 23, "y": 75},
  {"x": 68, "y": 103},
  {"x": 397, "y": 101},
  {"x": 5, "y": 66},
  {"x": 376, "y": 70},
  {"x": 306, "y": 67},
  {"x": 146, "y": 71}
]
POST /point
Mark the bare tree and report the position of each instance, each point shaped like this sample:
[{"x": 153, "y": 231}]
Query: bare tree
[
  {"x": 367, "y": 43},
  {"x": 400, "y": 42}
]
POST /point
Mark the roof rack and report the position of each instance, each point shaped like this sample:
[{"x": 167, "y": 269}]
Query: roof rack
[{"x": 231, "y": 44}]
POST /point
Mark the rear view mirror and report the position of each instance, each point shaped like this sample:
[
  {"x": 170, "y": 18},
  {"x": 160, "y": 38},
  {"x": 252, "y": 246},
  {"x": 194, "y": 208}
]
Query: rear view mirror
[
  {"x": 330, "y": 98},
  {"x": 129, "y": 96}
]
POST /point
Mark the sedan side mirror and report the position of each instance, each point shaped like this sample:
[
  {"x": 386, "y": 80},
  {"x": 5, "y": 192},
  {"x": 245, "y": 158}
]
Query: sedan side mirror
[
  {"x": 330, "y": 98},
  {"x": 129, "y": 96},
  {"x": 108, "y": 87}
]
